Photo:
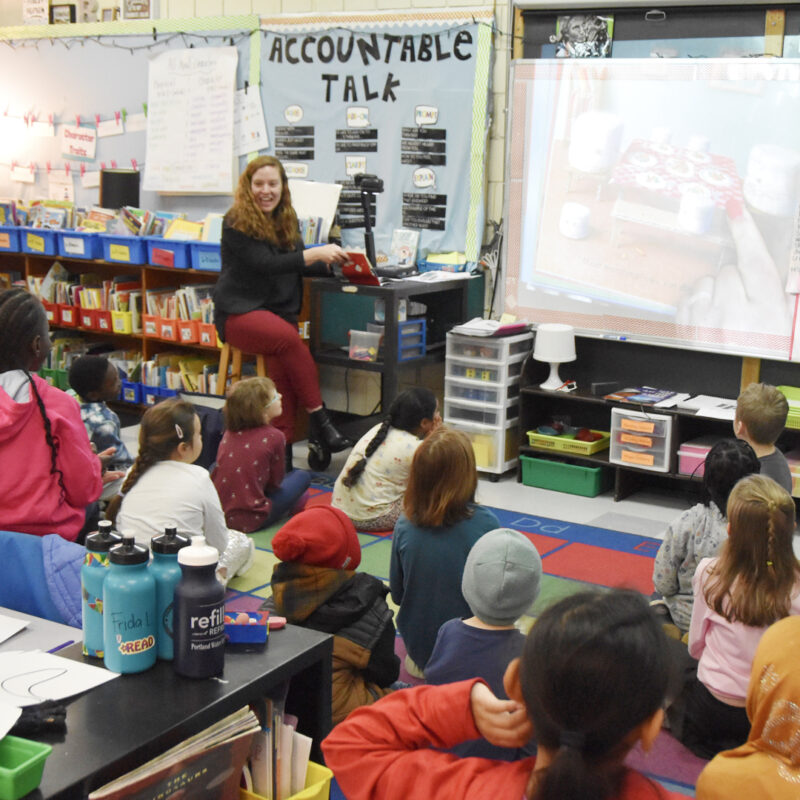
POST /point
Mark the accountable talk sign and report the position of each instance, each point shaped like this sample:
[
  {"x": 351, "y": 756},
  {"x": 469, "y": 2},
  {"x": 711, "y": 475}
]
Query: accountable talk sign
[{"x": 406, "y": 102}]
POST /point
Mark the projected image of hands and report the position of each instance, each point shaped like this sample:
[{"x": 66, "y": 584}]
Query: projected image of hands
[{"x": 661, "y": 197}]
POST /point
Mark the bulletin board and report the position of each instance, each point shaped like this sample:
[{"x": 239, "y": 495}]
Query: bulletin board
[
  {"x": 403, "y": 97},
  {"x": 94, "y": 77}
]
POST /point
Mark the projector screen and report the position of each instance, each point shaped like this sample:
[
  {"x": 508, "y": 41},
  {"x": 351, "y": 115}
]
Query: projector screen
[{"x": 656, "y": 200}]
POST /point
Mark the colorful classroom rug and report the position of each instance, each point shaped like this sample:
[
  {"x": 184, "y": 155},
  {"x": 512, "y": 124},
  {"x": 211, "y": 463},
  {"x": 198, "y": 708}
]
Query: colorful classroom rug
[{"x": 573, "y": 556}]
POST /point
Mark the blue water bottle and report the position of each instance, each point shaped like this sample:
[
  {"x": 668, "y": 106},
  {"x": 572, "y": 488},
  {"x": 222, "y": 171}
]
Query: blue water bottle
[
  {"x": 93, "y": 573},
  {"x": 199, "y": 617},
  {"x": 129, "y": 609},
  {"x": 166, "y": 571}
]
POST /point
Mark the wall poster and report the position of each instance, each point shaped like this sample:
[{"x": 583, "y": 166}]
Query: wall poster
[{"x": 402, "y": 98}]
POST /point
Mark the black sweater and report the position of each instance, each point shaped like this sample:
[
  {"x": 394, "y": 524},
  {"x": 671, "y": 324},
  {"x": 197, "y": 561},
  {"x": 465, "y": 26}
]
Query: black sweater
[{"x": 259, "y": 274}]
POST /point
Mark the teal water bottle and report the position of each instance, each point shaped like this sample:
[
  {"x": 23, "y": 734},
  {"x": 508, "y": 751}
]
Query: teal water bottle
[
  {"x": 93, "y": 573},
  {"x": 199, "y": 618},
  {"x": 129, "y": 609},
  {"x": 165, "y": 570}
]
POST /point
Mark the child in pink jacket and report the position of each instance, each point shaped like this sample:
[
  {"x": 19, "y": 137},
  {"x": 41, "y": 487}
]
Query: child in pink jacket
[{"x": 50, "y": 474}]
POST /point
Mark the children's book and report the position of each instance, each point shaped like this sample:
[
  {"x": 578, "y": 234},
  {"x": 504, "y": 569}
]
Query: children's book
[
  {"x": 641, "y": 395},
  {"x": 184, "y": 229},
  {"x": 403, "y": 250},
  {"x": 207, "y": 766}
]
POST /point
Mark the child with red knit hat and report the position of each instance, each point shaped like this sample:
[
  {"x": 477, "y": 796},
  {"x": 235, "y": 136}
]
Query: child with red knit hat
[{"x": 316, "y": 586}]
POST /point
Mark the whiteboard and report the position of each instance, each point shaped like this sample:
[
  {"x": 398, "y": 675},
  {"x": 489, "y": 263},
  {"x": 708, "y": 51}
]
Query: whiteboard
[{"x": 656, "y": 200}]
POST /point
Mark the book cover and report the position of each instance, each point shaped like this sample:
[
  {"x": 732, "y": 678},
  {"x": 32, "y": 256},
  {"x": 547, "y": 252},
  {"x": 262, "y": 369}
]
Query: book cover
[
  {"x": 184, "y": 229},
  {"x": 403, "y": 249},
  {"x": 641, "y": 395},
  {"x": 207, "y": 766}
]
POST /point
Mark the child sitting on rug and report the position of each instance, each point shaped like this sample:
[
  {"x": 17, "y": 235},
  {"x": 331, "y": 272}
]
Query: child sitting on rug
[
  {"x": 699, "y": 531},
  {"x": 96, "y": 381},
  {"x": 249, "y": 475},
  {"x": 166, "y": 489},
  {"x": 767, "y": 766},
  {"x": 761, "y": 412},
  {"x": 432, "y": 539},
  {"x": 500, "y": 584},
  {"x": 590, "y": 682},
  {"x": 754, "y": 582},
  {"x": 371, "y": 485},
  {"x": 316, "y": 586}
]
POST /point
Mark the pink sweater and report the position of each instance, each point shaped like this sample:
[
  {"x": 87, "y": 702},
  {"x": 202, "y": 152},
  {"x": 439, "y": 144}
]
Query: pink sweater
[
  {"x": 724, "y": 649},
  {"x": 30, "y": 496}
]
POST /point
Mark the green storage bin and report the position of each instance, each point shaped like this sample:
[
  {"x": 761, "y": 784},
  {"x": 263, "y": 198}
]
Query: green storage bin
[
  {"x": 21, "y": 766},
  {"x": 564, "y": 477}
]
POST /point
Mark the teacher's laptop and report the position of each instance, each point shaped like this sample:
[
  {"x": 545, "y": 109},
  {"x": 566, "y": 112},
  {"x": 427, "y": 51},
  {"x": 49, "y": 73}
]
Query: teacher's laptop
[{"x": 358, "y": 270}]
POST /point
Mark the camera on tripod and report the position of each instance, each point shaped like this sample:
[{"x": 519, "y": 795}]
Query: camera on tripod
[{"x": 369, "y": 183}]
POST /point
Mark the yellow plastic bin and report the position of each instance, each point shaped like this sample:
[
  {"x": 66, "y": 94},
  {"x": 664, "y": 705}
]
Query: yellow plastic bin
[{"x": 318, "y": 785}]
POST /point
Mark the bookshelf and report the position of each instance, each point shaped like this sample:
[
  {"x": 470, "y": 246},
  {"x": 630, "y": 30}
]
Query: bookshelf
[
  {"x": 149, "y": 343},
  {"x": 636, "y": 365}
]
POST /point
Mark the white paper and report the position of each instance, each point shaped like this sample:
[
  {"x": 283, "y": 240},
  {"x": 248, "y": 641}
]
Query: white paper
[
  {"x": 23, "y": 174},
  {"x": 8, "y": 717},
  {"x": 301, "y": 752},
  {"x": 61, "y": 186},
  {"x": 35, "y": 12},
  {"x": 315, "y": 199},
  {"x": 110, "y": 127},
  {"x": 249, "y": 127},
  {"x": 190, "y": 121},
  {"x": 285, "y": 772},
  {"x": 90, "y": 180},
  {"x": 43, "y": 129},
  {"x": 30, "y": 677},
  {"x": 9, "y": 626},
  {"x": 135, "y": 122}
]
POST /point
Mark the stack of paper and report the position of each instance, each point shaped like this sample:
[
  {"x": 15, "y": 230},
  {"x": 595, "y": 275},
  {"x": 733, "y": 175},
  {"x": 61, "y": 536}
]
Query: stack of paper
[{"x": 792, "y": 394}]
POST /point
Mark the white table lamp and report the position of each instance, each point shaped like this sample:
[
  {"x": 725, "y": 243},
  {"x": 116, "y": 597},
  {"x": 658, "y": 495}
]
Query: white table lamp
[{"x": 555, "y": 344}]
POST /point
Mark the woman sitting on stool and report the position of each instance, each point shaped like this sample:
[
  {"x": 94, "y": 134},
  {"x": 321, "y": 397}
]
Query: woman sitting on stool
[{"x": 260, "y": 289}]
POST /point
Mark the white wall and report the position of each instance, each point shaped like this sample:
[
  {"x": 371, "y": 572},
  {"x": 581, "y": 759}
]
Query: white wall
[{"x": 11, "y": 14}]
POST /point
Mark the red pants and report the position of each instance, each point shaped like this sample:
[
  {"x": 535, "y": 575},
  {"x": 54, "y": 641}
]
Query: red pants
[{"x": 289, "y": 361}]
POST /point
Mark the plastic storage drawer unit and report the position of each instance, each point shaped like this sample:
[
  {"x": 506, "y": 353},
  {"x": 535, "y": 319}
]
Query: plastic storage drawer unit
[
  {"x": 641, "y": 440},
  {"x": 488, "y": 348}
]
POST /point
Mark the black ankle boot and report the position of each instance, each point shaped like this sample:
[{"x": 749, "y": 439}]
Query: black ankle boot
[
  {"x": 289, "y": 464},
  {"x": 321, "y": 429}
]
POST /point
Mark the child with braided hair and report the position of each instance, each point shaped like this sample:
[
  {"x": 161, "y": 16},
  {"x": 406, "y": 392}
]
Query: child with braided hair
[
  {"x": 754, "y": 582},
  {"x": 371, "y": 486},
  {"x": 164, "y": 488},
  {"x": 51, "y": 478}
]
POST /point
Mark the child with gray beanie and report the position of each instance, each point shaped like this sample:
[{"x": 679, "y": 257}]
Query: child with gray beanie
[{"x": 501, "y": 581}]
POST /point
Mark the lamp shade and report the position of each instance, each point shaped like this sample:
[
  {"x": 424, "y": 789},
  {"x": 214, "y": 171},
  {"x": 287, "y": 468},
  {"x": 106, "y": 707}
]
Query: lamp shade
[{"x": 555, "y": 343}]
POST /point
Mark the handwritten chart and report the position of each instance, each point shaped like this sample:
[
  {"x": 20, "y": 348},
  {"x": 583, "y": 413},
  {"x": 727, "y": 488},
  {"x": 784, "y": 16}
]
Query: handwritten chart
[{"x": 190, "y": 121}]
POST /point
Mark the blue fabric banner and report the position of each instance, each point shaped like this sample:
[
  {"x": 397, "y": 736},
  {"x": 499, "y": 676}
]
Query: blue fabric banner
[{"x": 403, "y": 100}]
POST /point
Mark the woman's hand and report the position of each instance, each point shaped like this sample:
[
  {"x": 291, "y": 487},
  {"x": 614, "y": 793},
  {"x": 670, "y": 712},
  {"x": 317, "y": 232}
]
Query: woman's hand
[
  {"x": 504, "y": 723},
  {"x": 327, "y": 253}
]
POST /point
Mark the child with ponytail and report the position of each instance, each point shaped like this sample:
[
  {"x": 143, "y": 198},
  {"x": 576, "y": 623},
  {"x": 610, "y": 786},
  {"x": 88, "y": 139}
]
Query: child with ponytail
[
  {"x": 754, "y": 582},
  {"x": 164, "y": 488},
  {"x": 50, "y": 478},
  {"x": 590, "y": 682},
  {"x": 370, "y": 488}
]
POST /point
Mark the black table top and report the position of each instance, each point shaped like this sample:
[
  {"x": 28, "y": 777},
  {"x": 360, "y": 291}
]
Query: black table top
[{"x": 123, "y": 723}]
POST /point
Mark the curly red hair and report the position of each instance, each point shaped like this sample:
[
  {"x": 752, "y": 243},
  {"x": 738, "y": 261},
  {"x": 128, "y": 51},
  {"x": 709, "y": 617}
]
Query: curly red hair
[{"x": 244, "y": 215}]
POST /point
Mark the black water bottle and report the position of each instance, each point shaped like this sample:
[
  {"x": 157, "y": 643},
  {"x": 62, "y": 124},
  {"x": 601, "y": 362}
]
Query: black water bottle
[{"x": 199, "y": 611}]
